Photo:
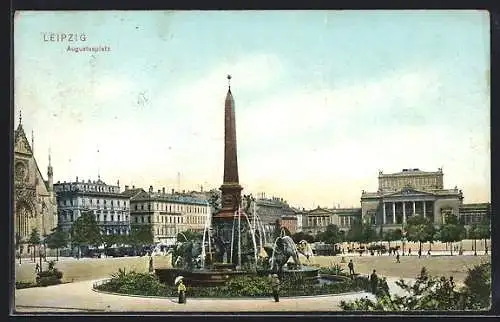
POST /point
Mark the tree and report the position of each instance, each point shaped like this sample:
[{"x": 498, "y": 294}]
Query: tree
[
  {"x": 58, "y": 238},
  {"x": 189, "y": 235},
  {"x": 85, "y": 231},
  {"x": 474, "y": 234},
  {"x": 332, "y": 235},
  {"x": 141, "y": 235},
  {"x": 355, "y": 233},
  {"x": 19, "y": 242},
  {"x": 484, "y": 230},
  {"x": 451, "y": 231},
  {"x": 392, "y": 235},
  {"x": 34, "y": 240},
  {"x": 420, "y": 229},
  {"x": 108, "y": 241},
  {"x": 299, "y": 236},
  {"x": 478, "y": 287}
]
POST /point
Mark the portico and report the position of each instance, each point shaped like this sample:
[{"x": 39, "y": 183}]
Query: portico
[{"x": 398, "y": 211}]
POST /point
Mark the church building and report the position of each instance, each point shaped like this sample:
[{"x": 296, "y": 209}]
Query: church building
[{"x": 34, "y": 199}]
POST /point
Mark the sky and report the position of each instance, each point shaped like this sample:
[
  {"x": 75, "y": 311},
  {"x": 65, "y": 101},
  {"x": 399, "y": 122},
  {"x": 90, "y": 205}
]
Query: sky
[{"x": 324, "y": 99}]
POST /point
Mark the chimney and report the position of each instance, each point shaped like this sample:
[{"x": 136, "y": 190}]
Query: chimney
[
  {"x": 172, "y": 191},
  {"x": 183, "y": 191},
  {"x": 77, "y": 179},
  {"x": 150, "y": 189},
  {"x": 133, "y": 187},
  {"x": 163, "y": 190},
  {"x": 126, "y": 188},
  {"x": 159, "y": 191}
]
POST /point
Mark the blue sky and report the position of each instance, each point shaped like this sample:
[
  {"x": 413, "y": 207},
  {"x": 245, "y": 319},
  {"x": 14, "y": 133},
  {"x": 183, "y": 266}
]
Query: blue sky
[{"x": 324, "y": 99}]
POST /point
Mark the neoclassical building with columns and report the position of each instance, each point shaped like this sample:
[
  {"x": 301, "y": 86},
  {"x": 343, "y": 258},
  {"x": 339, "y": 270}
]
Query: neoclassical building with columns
[{"x": 408, "y": 193}]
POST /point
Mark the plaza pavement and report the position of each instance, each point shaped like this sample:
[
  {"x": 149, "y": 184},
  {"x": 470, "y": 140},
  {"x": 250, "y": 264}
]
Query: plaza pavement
[{"x": 79, "y": 296}]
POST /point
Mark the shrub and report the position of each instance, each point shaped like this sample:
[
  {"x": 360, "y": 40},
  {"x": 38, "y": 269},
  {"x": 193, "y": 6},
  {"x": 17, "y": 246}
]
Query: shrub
[
  {"x": 51, "y": 276},
  {"x": 431, "y": 293},
  {"x": 240, "y": 286},
  {"x": 20, "y": 285}
]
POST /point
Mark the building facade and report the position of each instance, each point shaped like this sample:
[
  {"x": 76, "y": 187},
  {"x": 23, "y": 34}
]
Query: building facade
[
  {"x": 35, "y": 204},
  {"x": 407, "y": 193},
  {"x": 474, "y": 213},
  {"x": 316, "y": 220},
  {"x": 168, "y": 213},
  {"x": 290, "y": 223},
  {"x": 269, "y": 210},
  {"x": 110, "y": 208}
]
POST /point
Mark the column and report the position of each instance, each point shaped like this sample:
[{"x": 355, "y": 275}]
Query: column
[
  {"x": 413, "y": 208},
  {"x": 393, "y": 213},
  {"x": 383, "y": 218},
  {"x": 424, "y": 208},
  {"x": 404, "y": 212}
]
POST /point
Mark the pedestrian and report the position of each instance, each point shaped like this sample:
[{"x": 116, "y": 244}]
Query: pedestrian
[
  {"x": 151, "y": 264},
  {"x": 419, "y": 253},
  {"x": 374, "y": 282},
  {"x": 37, "y": 268},
  {"x": 181, "y": 289},
  {"x": 397, "y": 258},
  {"x": 429, "y": 253},
  {"x": 275, "y": 284},
  {"x": 351, "y": 267},
  {"x": 409, "y": 251}
]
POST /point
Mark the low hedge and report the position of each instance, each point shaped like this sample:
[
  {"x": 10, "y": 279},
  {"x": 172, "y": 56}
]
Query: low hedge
[{"x": 244, "y": 286}]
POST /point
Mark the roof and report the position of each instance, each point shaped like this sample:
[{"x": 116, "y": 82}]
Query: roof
[
  {"x": 132, "y": 192},
  {"x": 410, "y": 172},
  {"x": 175, "y": 198},
  {"x": 410, "y": 191}
]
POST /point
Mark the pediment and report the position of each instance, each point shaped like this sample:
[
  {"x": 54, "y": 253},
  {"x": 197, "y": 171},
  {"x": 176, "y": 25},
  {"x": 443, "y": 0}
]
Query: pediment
[
  {"x": 405, "y": 192},
  {"x": 319, "y": 212}
]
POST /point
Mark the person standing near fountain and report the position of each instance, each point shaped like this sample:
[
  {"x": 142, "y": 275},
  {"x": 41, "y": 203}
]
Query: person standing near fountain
[
  {"x": 351, "y": 268},
  {"x": 275, "y": 284},
  {"x": 181, "y": 289},
  {"x": 374, "y": 282}
]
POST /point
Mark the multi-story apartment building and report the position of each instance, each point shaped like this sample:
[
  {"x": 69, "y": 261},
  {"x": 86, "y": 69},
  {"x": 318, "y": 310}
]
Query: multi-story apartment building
[
  {"x": 168, "y": 213},
  {"x": 110, "y": 208}
]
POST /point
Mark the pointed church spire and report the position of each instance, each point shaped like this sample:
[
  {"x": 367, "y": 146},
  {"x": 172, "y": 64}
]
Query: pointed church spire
[
  {"x": 20, "y": 117},
  {"x": 50, "y": 174}
]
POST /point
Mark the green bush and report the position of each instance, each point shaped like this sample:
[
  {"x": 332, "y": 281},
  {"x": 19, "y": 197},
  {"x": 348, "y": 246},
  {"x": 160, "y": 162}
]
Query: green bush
[
  {"x": 52, "y": 276},
  {"x": 241, "y": 286},
  {"x": 432, "y": 293},
  {"x": 20, "y": 285}
]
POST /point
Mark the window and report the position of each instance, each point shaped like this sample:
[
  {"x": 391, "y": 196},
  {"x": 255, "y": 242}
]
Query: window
[
  {"x": 104, "y": 201},
  {"x": 119, "y": 217},
  {"x": 105, "y": 217},
  {"x": 111, "y": 202},
  {"x": 97, "y": 201},
  {"x": 136, "y": 219}
]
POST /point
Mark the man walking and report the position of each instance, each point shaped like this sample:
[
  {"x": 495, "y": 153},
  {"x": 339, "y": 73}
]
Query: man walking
[
  {"x": 397, "y": 258},
  {"x": 351, "y": 268},
  {"x": 374, "y": 282},
  {"x": 275, "y": 284}
]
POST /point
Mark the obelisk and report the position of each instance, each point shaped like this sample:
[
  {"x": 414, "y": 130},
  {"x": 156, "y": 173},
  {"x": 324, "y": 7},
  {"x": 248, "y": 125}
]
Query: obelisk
[{"x": 230, "y": 189}]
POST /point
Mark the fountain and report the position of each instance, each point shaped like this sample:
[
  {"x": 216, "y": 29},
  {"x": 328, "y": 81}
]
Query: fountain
[{"x": 234, "y": 242}]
